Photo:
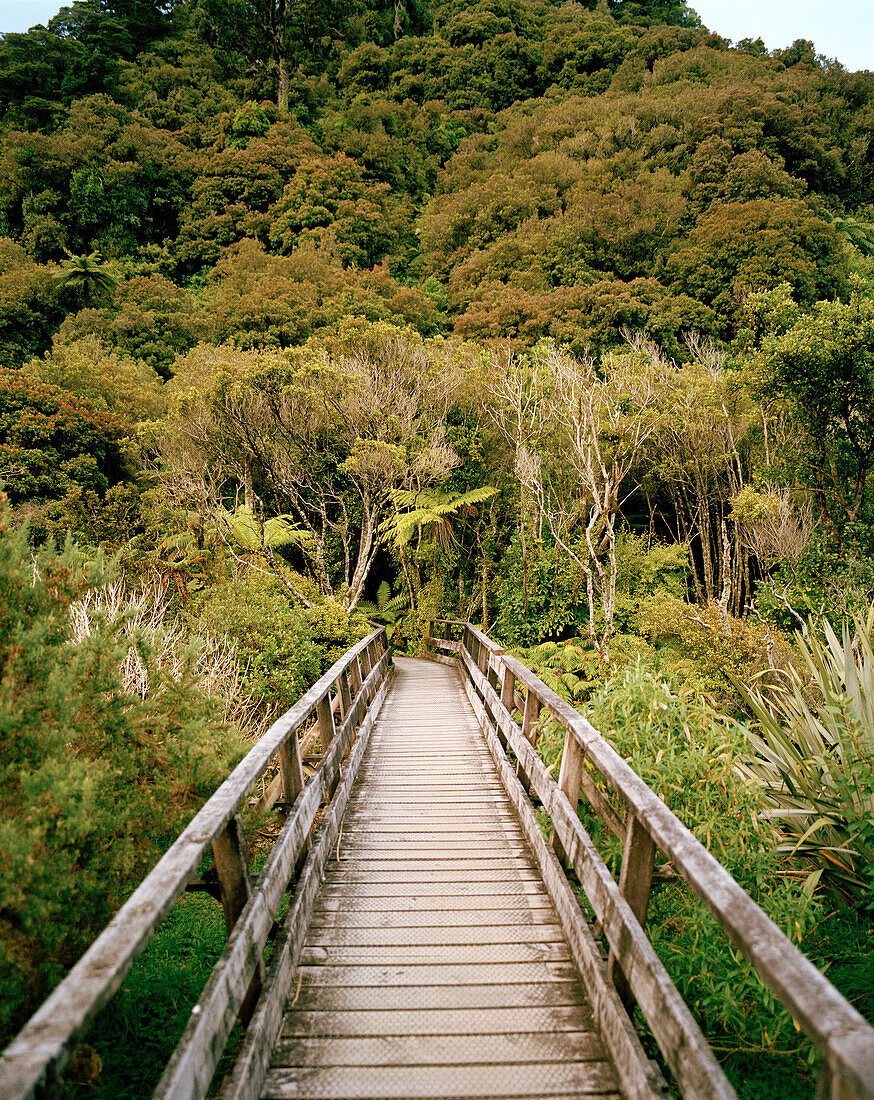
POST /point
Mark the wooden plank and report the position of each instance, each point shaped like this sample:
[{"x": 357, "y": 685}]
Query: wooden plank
[
  {"x": 432, "y": 919},
  {"x": 392, "y": 888},
  {"x": 444, "y": 1082},
  {"x": 399, "y": 904},
  {"x": 363, "y": 995},
  {"x": 438, "y": 1050},
  {"x": 436, "y": 953},
  {"x": 470, "y": 863},
  {"x": 422, "y": 878},
  {"x": 635, "y": 883},
  {"x": 429, "y": 936},
  {"x": 439, "y": 1021},
  {"x": 435, "y": 976}
]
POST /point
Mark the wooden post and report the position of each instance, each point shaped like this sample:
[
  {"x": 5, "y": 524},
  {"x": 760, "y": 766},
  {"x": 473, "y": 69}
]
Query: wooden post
[
  {"x": 232, "y": 868},
  {"x": 345, "y": 694},
  {"x": 482, "y": 656},
  {"x": 635, "y": 881},
  {"x": 492, "y": 671},
  {"x": 325, "y": 721},
  {"x": 354, "y": 677},
  {"x": 829, "y": 1086},
  {"x": 529, "y": 718},
  {"x": 508, "y": 689},
  {"x": 364, "y": 662},
  {"x": 569, "y": 779},
  {"x": 291, "y": 769},
  {"x": 529, "y": 731}
]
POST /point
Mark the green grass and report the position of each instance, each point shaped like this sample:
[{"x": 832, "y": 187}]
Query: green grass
[{"x": 134, "y": 1036}]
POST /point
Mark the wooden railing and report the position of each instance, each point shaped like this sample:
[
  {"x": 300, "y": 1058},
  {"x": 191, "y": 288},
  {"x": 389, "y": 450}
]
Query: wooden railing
[
  {"x": 498, "y": 685},
  {"x": 344, "y": 702}
]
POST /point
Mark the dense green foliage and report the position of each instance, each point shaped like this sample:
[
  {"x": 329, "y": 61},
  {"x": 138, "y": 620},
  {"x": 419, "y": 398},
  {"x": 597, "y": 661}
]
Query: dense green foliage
[
  {"x": 552, "y": 315},
  {"x": 96, "y": 777}
]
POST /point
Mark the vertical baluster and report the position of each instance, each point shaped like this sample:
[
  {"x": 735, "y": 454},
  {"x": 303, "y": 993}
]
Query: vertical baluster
[
  {"x": 529, "y": 718},
  {"x": 364, "y": 662},
  {"x": 232, "y": 868},
  {"x": 291, "y": 770},
  {"x": 325, "y": 722},
  {"x": 829, "y": 1086},
  {"x": 529, "y": 732},
  {"x": 635, "y": 882},
  {"x": 569, "y": 779},
  {"x": 354, "y": 672},
  {"x": 482, "y": 656},
  {"x": 345, "y": 694},
  {"x": 508, "y": 688},
  {"x": 494, "y": 658}
]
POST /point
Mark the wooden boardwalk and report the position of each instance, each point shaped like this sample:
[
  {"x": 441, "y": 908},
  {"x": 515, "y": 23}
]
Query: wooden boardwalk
[{"x": 435, "y": 964}]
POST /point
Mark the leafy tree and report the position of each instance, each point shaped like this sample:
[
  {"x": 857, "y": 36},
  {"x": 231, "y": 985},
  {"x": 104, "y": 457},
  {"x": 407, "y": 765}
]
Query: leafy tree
[
  {"x": 87, "y": 274},
  {"x": 823, "y": 368},
  {"x": 427, "y": 510},
  {"x": 151, "y": 319},
  {"x": 127, "y": 388},
  {"x": 738, "y": 247},
  {"x": 29, "y": 308},
  {"x": 325, "y": 436},
  {"x": 51, "y": 440}
]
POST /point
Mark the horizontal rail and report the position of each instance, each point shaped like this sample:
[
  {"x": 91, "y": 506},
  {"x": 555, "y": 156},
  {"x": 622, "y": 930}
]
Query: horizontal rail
[
  {"x": 36, "y": 1056},
  {"x": 843, "y": 1038}
]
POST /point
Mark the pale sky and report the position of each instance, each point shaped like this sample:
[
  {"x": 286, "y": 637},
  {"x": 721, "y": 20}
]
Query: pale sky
[{"x": 843, "y": 29}]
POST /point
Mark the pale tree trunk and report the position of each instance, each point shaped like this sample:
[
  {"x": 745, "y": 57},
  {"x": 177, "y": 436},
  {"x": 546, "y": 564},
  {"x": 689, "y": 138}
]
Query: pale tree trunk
[
  {"x": 524, "y": 537},
  {"x": 282, "y": 91},
  {"x": 725, "y": 596}
]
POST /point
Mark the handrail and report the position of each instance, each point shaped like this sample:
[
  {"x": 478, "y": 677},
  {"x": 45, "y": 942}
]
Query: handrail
[
  {"x": 36, "y": 1056},
  {"x": 843, "y": 1038}
]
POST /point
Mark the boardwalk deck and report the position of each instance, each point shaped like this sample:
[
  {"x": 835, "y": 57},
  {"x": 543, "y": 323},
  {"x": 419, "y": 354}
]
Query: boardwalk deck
[{"x": 435, "y": 965}]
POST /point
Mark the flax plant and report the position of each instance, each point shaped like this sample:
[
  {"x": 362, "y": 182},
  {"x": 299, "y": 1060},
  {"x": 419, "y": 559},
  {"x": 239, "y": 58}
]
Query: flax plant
[{"x": 813, "y": 754}]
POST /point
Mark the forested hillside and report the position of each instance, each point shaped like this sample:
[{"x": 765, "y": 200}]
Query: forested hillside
[{"x": 555, "y": 316}]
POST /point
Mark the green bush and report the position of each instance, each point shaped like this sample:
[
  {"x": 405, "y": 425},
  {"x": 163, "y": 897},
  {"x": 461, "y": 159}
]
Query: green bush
[
  {"x": 696, "y": 648},
  {"x": 813, "y": 754},
  {"x": 272, "y": 636},
  {"x": 557, "y": 604},
  {"x": 334, "y": 630},
  {"x": 95, "y": 780},
  {"x": 689, "y": 754}
]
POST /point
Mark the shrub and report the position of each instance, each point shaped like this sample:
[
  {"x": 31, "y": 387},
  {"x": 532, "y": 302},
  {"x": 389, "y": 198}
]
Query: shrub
[
  {"x": 813, "y": 754},
  {"x": 688, "y": 754},
  {"x": 95, "y": 779},
  {"x": 273, "y": 637},
  {"x": 699, "y": 649}
]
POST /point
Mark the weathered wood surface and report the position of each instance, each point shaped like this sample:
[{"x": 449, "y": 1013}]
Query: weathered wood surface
[{"x": 435, "y": 964}]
